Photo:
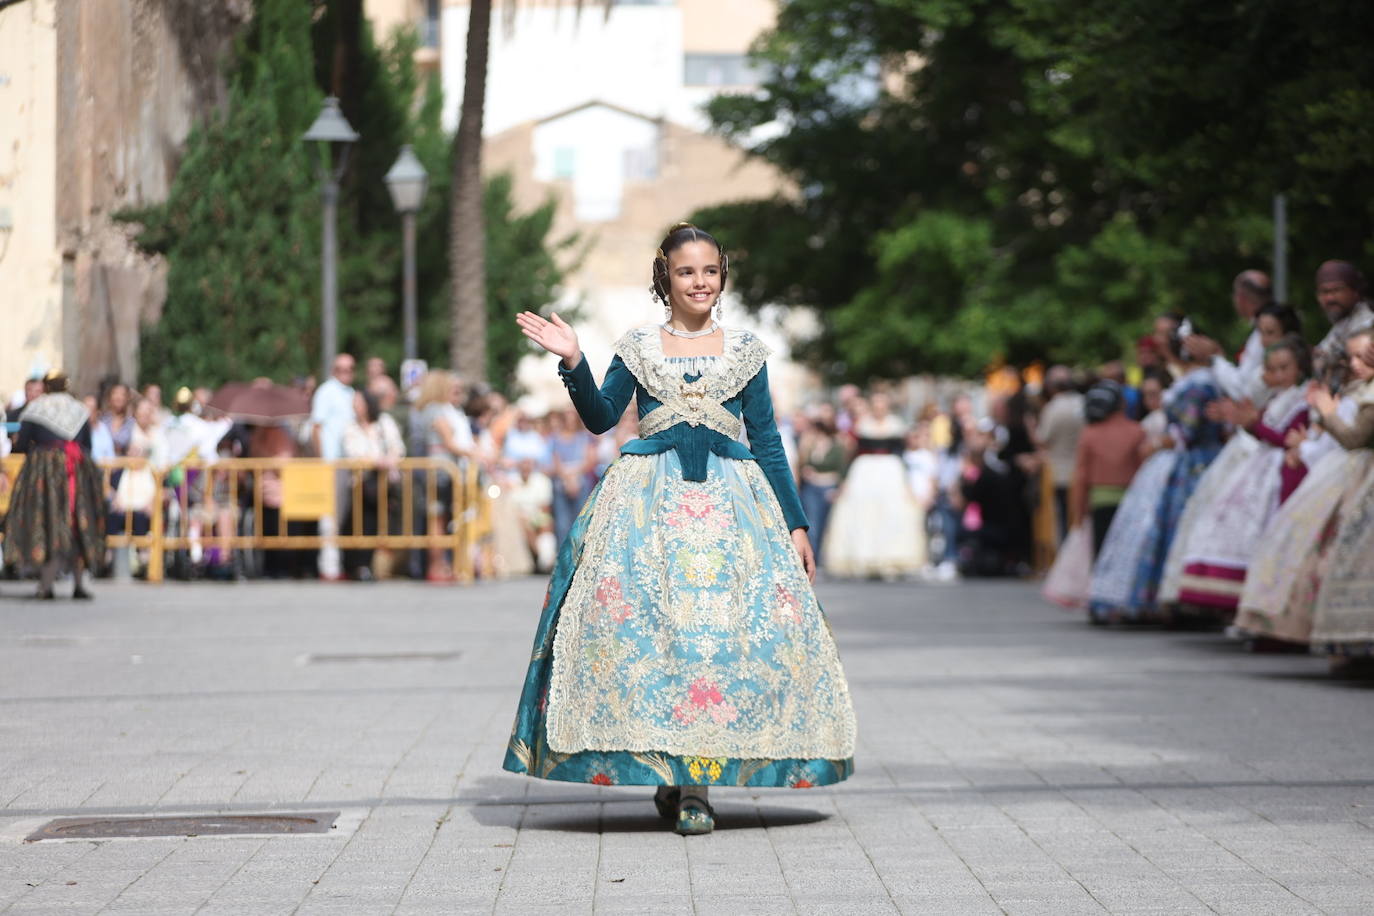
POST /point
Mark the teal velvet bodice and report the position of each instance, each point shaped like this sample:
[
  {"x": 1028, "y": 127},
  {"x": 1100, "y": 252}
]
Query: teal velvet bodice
[{"x": 600, "y": 408}]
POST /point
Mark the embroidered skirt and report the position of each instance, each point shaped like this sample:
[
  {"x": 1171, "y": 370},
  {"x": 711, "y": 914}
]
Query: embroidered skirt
[
  {"x": 1129, "y": 541},
  {"x": 1233, "y": 456},
  {"x": 1286, "y": 571},
  {"x": 1344, "y": 617},
  {"x": 1223, "y": 540},
  {"x": 57, "y": 511},
  {"x": 680, "y": 642}
]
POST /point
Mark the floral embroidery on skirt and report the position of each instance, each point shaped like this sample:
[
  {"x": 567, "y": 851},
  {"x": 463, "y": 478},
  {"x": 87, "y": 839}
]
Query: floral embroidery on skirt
[{"x": 681, "y": 643}]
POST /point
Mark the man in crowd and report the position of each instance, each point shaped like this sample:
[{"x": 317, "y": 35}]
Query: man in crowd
[
  {"x": 1340, "y": 292},
  {"x": 331, "y": 412},
  {"x": 1061, "y": 423},
  {"x": 33, "y": 389}
]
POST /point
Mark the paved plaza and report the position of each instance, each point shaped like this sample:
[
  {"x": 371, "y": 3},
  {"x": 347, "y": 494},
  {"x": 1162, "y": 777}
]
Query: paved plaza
[{"x": 1011, "y": 760}]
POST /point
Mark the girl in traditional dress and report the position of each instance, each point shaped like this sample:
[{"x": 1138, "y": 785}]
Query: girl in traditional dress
[
  {"x": 1287, "y": 569},
  {"x": 57, "y": 508},
  {"x": 1344, "y": 618},
  {"x": 681, "y": 645},
  {"x": 1273, "y": 322},
  {"x": 1128, "y": 572},
  {"x": 1246, "y": 498},
  {"x": 876, "y": 527}
]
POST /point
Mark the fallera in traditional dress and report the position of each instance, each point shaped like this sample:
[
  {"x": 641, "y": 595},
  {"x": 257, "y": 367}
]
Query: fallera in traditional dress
[
  {"x": 876, "y": 527},
  {"x": 1238, "y": 450},
  {"x": 1198, "y": 443},
  {"x": 1344, "y": 617},
  {"x": 1288, "y": 566},
  {"x": 1244, "y": 499},
  {"x": 680, "y": 641},
  {"x": 1244, "y": 380},
  {"x": 57, "y": 506}
]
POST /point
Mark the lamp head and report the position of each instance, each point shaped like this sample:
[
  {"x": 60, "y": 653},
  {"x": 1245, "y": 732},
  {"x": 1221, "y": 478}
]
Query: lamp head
[
  {"x": 407, "y": 181},
  {"x": 330, "y": 125}
]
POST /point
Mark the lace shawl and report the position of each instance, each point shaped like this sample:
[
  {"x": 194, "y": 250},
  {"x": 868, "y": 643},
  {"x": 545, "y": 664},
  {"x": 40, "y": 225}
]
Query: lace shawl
[{"x": 59, "y": 413}]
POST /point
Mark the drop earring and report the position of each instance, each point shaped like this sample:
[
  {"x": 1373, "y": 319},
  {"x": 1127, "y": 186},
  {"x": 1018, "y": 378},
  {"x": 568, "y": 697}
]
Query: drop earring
[
  {"x": 667, "y": 312},
  {"x": 719, "y": 311}
]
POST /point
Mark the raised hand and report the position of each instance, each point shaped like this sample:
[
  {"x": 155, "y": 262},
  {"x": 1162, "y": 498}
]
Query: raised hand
[
  {"x": 554, "y": 335},
  {"x": 1245, "y": 413},
  {"x": 1321, "y": 399}
]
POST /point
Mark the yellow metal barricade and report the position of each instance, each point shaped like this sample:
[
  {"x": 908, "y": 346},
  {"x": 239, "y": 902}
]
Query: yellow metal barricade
[
  {"x": 9, "y": 472},
  {"x": 309, "y": 489}
]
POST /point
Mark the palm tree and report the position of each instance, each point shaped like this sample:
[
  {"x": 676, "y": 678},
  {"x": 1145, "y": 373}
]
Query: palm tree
[
  {"x": 467, "y": 248},
  {"x": 467, "y": 237}
]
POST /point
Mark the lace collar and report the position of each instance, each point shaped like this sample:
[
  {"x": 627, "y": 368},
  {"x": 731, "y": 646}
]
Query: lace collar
[
  {"x": 723, "y": 376},
  {"x": 59, "y": 413}
]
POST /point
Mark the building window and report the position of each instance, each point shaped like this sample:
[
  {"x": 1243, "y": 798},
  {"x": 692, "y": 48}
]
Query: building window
[
  {"x": 641, "y": 164},
  {"x": 718, "y": 70},
  {"x": 429, "y": 26},
  {"x": 564, "y": 163}
]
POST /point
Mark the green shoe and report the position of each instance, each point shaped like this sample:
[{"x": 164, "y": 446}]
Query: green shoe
[
  {"x": 665, "y": 800},
  {"x": 695, "y": 817}
]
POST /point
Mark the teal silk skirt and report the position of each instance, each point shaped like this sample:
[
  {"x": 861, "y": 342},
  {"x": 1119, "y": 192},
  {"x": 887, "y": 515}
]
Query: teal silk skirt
[{"x": 680, "y": 642}]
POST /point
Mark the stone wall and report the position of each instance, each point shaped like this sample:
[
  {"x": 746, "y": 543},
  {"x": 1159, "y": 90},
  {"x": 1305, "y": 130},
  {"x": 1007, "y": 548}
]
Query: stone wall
[
  {"x": 30, "y": 268},
  {"x": 134, "y": 76}
]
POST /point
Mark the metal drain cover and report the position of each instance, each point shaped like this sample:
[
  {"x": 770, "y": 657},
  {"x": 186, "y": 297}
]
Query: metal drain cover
[{"x": 111, "y": 828}]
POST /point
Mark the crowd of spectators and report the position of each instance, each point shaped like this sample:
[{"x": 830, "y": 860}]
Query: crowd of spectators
[
  {"x": 989, "y": 477},
  {"x": 536, "y": 466}
]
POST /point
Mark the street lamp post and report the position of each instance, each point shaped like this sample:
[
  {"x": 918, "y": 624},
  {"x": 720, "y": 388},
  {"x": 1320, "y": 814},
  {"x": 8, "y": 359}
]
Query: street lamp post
[
  {"x": 407, "y": 181},
  {"x": 331, "y": 129}
]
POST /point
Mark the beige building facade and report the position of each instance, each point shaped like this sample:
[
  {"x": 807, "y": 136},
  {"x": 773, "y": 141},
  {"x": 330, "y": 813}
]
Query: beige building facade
[
  {"x": 603, "y": 115},
  {"x": 96, "y": 100}
]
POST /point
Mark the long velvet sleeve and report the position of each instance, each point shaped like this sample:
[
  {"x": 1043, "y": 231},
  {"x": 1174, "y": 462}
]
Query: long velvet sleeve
[
  {"x": 1265, "y": 433},
  {"x": 766, "y": 445},
  {"x": 599, "y": 407}
]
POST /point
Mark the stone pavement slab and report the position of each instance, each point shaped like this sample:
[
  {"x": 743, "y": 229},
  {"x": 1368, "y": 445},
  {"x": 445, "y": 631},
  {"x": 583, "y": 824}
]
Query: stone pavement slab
[{"x": 1011, "y": 760}]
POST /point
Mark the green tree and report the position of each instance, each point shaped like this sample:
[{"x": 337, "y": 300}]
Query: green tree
[
  {"x": 240, "y": 225},
  {"x": 240, "y": 228},
  {"x": 1020, "y": 179}
]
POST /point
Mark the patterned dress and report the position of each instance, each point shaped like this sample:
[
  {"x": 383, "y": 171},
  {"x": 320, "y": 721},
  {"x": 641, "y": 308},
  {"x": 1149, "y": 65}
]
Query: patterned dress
[
  {"x": 680, "y": 641},
  {"x": 1238, "y": 506},
  {"x": 57, "y": 509},
  {"x": 1344, "y": 616},
  {"x": 1289, "y": 568},
  {"x": 1133, "y": 568}
]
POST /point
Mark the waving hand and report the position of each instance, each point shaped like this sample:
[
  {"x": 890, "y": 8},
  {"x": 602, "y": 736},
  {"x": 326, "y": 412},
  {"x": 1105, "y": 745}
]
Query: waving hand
[{"x": 554, "y": 335}]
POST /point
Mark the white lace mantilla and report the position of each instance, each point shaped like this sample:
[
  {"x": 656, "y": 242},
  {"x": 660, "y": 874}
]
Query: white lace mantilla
[{"x": 699, "y": 402}]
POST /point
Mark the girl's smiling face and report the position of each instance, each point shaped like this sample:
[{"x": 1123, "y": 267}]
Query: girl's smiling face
[
  {"x": 694, "y": 278},
  {"x": 1281, "y": 370}
]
